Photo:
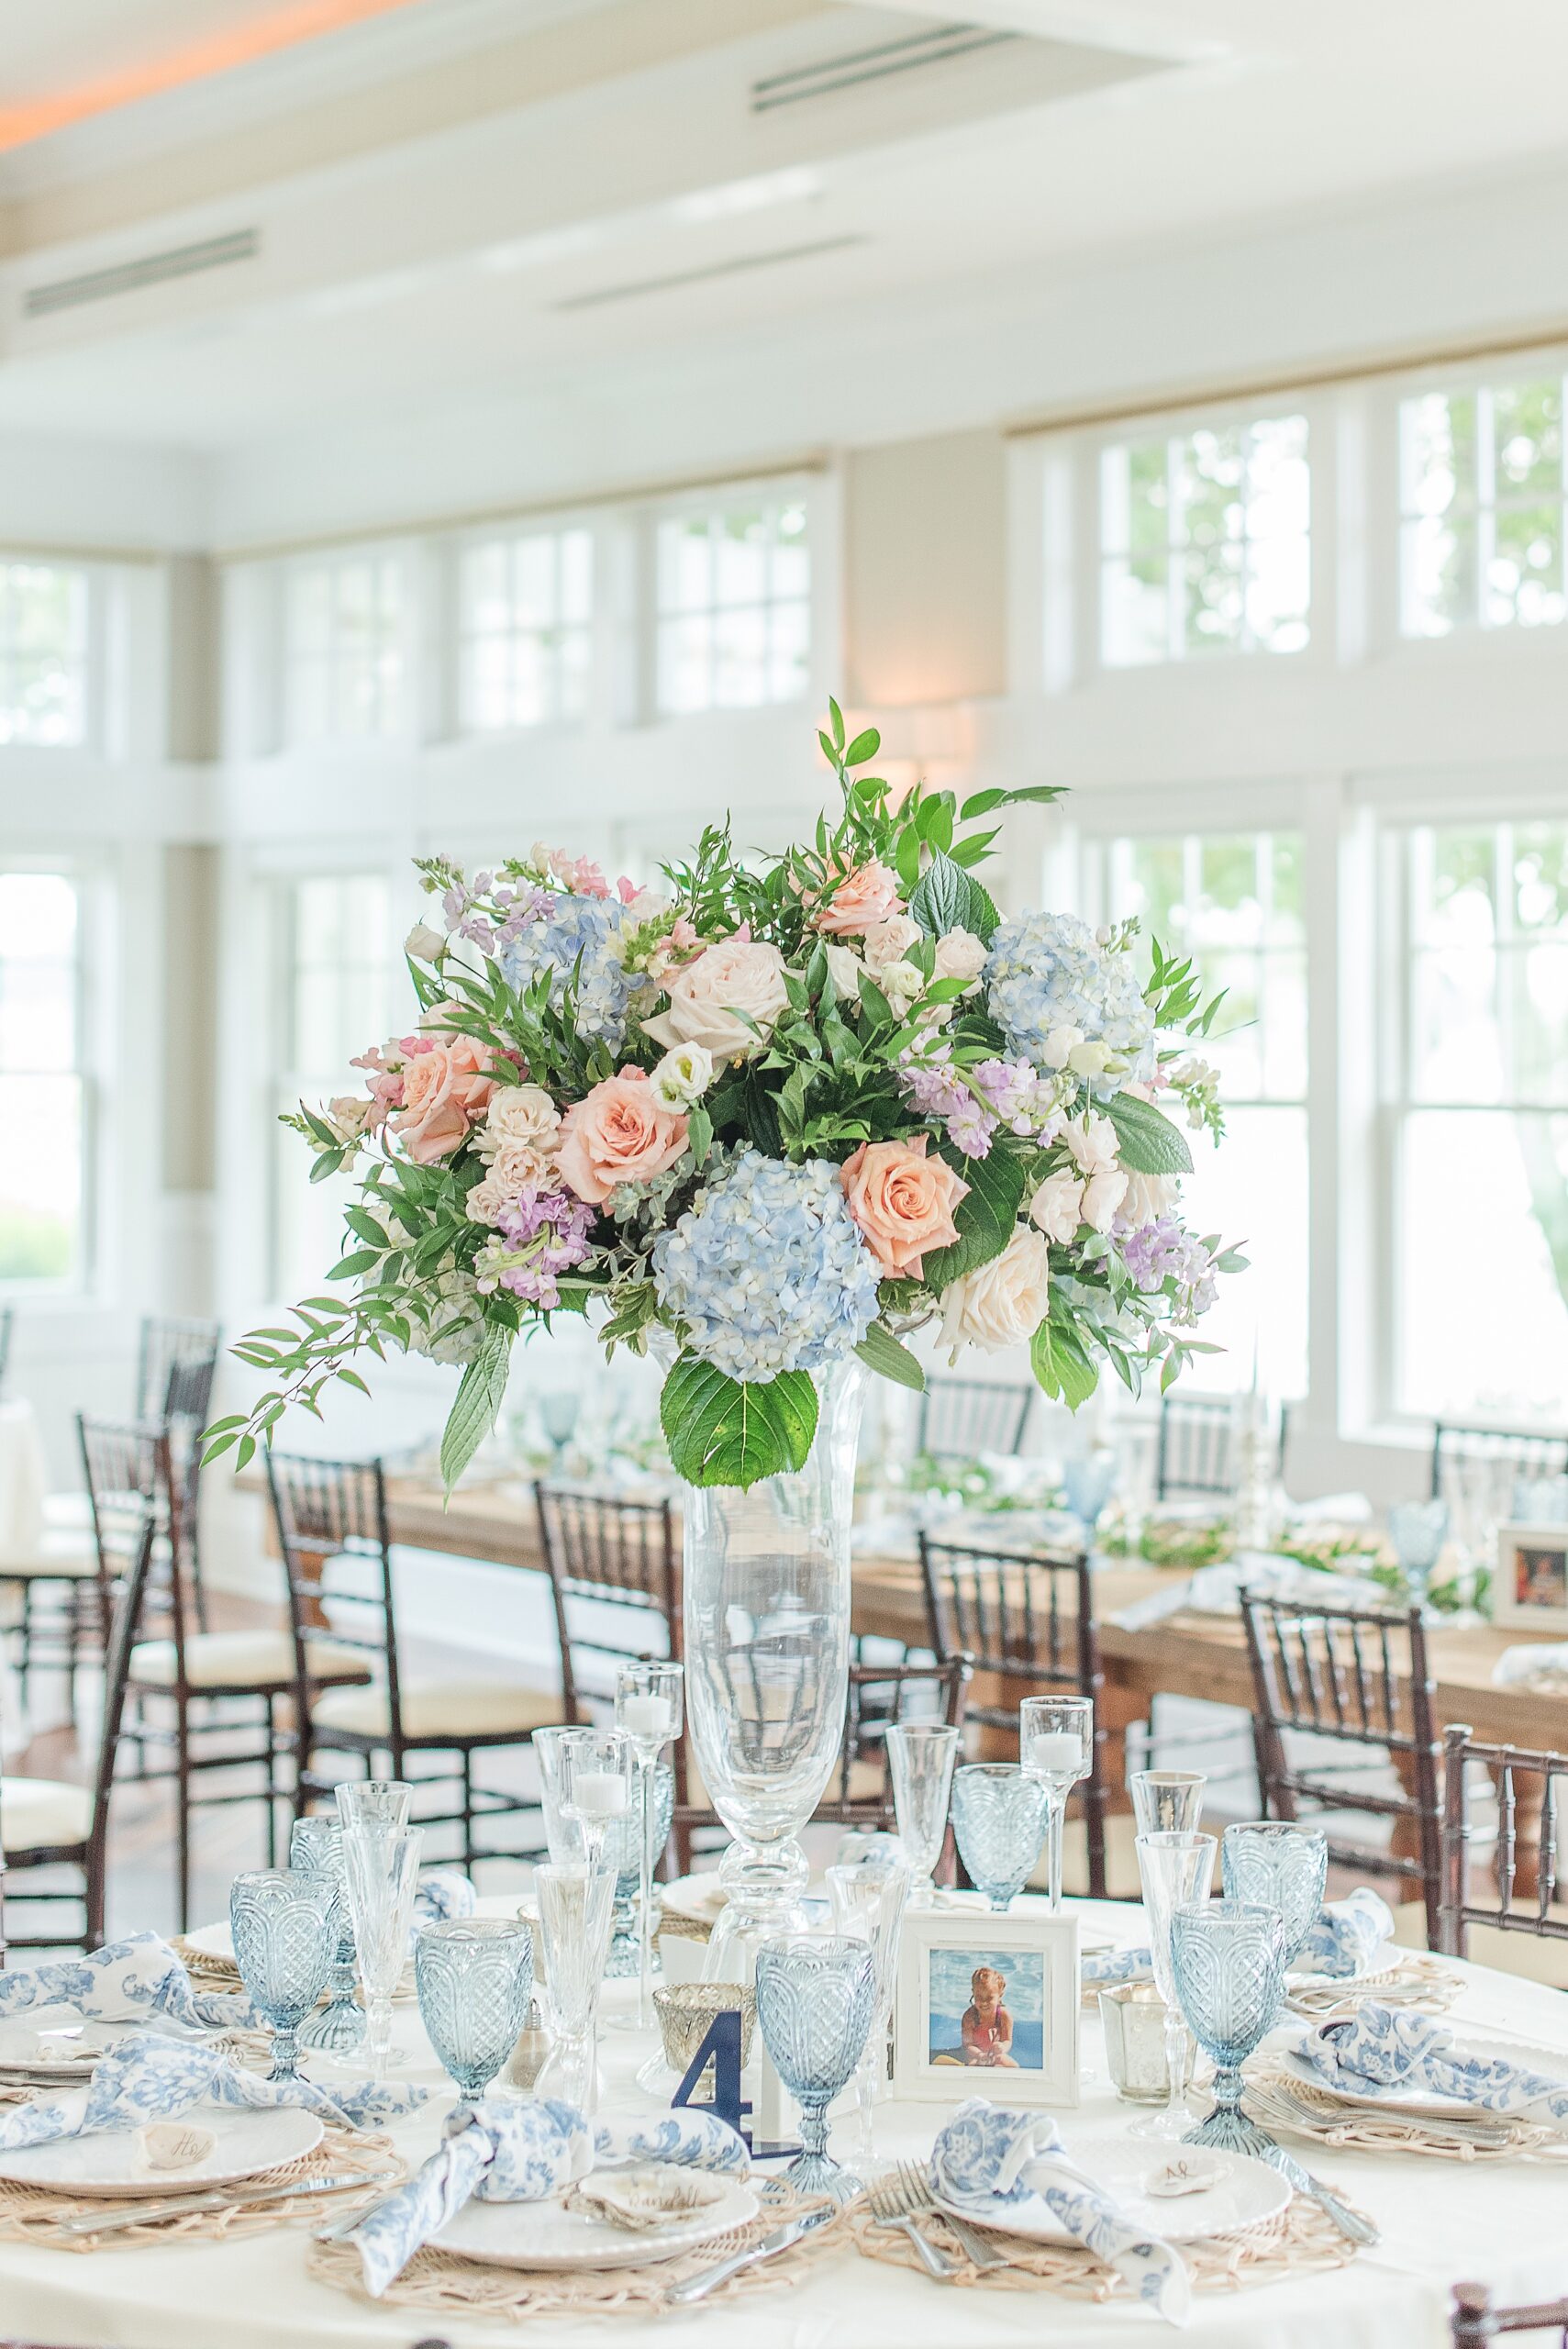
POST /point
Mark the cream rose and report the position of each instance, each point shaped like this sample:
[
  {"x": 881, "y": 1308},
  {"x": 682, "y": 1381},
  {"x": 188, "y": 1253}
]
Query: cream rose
[
  {"x": 1149, "y": 1196},
  {"x": 889, "y": 941},
  {"x": 1103, "y": 1195},
  {"x": 424, "y": 943},
  {"x": 862, "y": 898},
  {"x": 1060, "y": 1045},
  {"x": 618, "y": 1133},
  {"x": 1057, "y": 1206},
  {"x": 1003, "y": 1303},
  {"x": 844, "y": 967},
  {"x": 741, "y": 976},
  {"x": 959, "y": 955},
  {"x": 902, "y": 1201},
  {"x": 1091, "y": 1142},
  {"x": 521, "y": 1118}
]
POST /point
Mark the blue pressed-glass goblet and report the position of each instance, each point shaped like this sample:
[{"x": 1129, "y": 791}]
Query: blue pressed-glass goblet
[
  {"x": 1226, "y": 1958},
  {"x": 816, "y": 1995},
  {"x": 475, "y": 1976},
  {"x": 1274, "y": 1863},
  {"x": 284, "y": 1939},
  {"x": 315, "y": 1846},
  {"x": 998, "y": 1817}
]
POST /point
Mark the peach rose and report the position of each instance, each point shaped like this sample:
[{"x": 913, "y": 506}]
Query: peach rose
[
  {"x": 617, "y": 1134},
  {"x": 863, "y": 899},
  {"x": 1002, "y": 1303},
  {"x": 445, "y": 1088},
  {"x": 903, "y": 1202}
]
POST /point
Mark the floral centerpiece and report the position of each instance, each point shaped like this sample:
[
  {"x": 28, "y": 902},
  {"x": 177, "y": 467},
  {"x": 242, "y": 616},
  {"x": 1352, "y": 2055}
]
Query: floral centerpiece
[{"x": 778, "y": 1110}]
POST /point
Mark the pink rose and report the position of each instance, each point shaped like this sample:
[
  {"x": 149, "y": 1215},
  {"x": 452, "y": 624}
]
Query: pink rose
[
  {"x": 867, "y": 896},
  {"x": 903, "y": 1202},
  {"x": 617, "y": 1134},
  {"x": 446, "y": 1087}
]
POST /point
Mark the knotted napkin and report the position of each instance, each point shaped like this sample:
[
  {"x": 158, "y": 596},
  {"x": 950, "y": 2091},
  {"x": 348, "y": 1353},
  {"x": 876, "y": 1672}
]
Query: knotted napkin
[
  {"x": 987, "y": 2157},
  {"x": 438, "y": 1897},
  {"x": 1346, "y": 1933},
  {"x": 136, "y": 1980},
  {"x": 148, "y": 2078},
  {"x": 503, "y": 2150},
  {"x": 1391, "y": 2047}
]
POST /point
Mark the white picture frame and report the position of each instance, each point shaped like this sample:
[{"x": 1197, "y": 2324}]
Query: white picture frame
[
  {"x": 1023, "y": 2048},
  {"x": 1530, "y": 1588}
]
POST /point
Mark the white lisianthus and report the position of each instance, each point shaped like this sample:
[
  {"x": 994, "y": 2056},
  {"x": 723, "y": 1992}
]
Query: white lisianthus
[
  {"x": 1090, "y": 1058},
  {"x": 844, "y": 968},
  {"x": 1060, "y": 1045},
  {"x": 889, "y": 941},
  {"x": 1149, "y": 1196},
  {"x": 425, "y": 944},
  {"x": 1003, "y": 1303},
  {"x": 1103, "y": 1195},
  {"x": 1091, "y": 1142},
  {"x": 1057, "y": 1206},
  {"x": 959, "y": 955},
  {"x": 682, "y": 1076}
]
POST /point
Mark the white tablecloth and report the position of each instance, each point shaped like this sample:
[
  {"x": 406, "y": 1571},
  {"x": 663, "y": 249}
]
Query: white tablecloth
[
  {"x": 1442, "y": 2223},
  {"x": 22, "y": 1483}
]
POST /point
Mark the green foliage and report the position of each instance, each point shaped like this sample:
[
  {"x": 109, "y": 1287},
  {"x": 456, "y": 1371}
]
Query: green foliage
[
  {"x": 881, "y": 1352},
  {"x": 722, "y": 1431},
  {"x": 477, "y": 1405},
  {"x": 984, "y": 1217},
  {"x": 1146, "y": 1140}
]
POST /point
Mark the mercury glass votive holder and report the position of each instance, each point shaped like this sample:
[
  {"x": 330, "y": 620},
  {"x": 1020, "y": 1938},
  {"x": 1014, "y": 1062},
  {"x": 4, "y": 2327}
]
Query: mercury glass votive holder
[{"x": 1132, "y": 2017}]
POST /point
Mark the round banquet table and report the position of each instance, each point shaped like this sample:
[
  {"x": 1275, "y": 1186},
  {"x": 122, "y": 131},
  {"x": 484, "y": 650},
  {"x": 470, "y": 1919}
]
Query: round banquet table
[{"x": 1442, "y": 2222}]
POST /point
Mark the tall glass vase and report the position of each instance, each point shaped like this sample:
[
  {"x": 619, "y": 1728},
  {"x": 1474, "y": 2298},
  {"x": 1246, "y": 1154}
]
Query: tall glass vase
[{"x": 767, "y": 1655}]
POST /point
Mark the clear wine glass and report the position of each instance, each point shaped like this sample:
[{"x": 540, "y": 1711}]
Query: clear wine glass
[
  {"x": 920, "y": 1758},
  {"x": 1175, "y": 1867},
  {"x": 648, "y": 1706},
  {"x": 1167, "y": 1801},
  {"x": 869, "y": 1897},
  {"x": 375, "y": 1802},
  {"x": 380, "y": 1865},
  {"x": 1056, "y": 1747}
]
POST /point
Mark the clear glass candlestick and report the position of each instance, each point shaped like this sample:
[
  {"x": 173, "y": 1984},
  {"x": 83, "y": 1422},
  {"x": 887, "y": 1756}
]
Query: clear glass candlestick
[
  {"x": 317, "y": 1843},
  {"x": 1056, "y": 1746},
  {"x": 381, "y": 1866},
  {"x": 597, "y": 1768},
  {"x": 920, "y": 1758},
  {"x": 649, "y": 1711},
  {"x": 284, "y": 1935},
  {"x": 1175, "y": 1868}
]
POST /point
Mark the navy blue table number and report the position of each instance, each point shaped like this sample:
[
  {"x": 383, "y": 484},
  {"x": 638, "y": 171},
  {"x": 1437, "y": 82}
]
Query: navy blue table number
[{"x": 721, "y": 2048}]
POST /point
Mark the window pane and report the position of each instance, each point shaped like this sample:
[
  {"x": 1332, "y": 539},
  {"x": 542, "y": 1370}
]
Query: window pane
[
  {"x": 1137, "y": 611},
  {"x": 1253, "y": 1192},
  {"x": 1482, "y": 489},
  {"x": 576, "y": 575},
  {"x": 522, "y": 666},
  {"x": 1524, "y": 576},
  {"x": 344, "y": 648},
  {"x": 734, "y": 609},
  {"x": 43, "y": 653},
  {"x": 38, "y": 915},
  {"x": 40, "y": 1189},
  {"x": 686, "y": 651},
  {"x": 1526, "y": 439}
]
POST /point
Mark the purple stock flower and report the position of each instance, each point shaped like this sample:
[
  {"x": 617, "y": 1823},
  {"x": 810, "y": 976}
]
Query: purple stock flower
[
  {"x": 1162, "y": 1250},
  {"x": 539, "y": 1235}
]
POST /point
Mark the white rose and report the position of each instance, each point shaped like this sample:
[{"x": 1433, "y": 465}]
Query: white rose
[
  {"x": 1060, "y": 1045},
  {"x": 515, "y": 1165},
  {"x": 844, "y": 969},
  {"x": 1103, "y": 1195},
  {"x": 485, "y": 1201},
  {"x": 704, "y": 997},
  {"x": 900, "y": 982},
  {"x": 1149, "y": 1196},
  {"x": 1091, "y": 1142},
  {"x": 424, "y": 943},
  {"x": 959, "y": 955},
  {"x": 1058, "y": 1205},
  {"x": 682, "y": 1076},
  {"x": 523, "y": 1116},
  {"x": 1002, "y": 1303},
  {"x": 1089, "y": 1059},
  {"x": 889, "y": 941}
]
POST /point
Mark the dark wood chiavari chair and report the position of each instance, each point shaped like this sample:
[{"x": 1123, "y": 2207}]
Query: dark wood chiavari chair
[
  {"x": 167, "y": 1342},
  {"x": 960, "y": 1417},
  {"x": 1197, "y": 1454},
  {"x": 1336, "y": 1672},
  {"x": 1027, "y": 1621},
  {"x": 1474, "y": 2321},
  {"x": 1476, "y": 1470},
  {"x": 332, "y": 1524},
  {"x": 1548, "y": 1778},
  {"x": 186, "y": 1408}
]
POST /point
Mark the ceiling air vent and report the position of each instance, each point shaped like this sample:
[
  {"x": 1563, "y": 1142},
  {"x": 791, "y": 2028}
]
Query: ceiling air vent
[
  {"x": 938, "y": 46},
  {"x": 130, "y": 276},
  {"x": 743, "y": 261}
]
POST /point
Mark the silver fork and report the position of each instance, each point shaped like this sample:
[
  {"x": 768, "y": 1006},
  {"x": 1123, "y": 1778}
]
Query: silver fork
[{"x": 893, "y": 2204}]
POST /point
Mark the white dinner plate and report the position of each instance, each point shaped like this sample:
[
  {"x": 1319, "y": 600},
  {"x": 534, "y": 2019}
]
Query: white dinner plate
[
  {"x": 246, "y": 2143},
  {"x": 1248, "y": 2195},
  {"x": 1384, "y": 1959},
  {"x": 546, "y": 2235},
  {"x": 27, "y": 2047},
  {"x": 1484, "y": 2045}
]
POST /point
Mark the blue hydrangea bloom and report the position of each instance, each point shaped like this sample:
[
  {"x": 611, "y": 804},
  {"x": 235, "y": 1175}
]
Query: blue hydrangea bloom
[
  {"x": 573, "y": 926},
  {"x": 1047, "y": 971},
  {"x": 767, "y": 1269}
]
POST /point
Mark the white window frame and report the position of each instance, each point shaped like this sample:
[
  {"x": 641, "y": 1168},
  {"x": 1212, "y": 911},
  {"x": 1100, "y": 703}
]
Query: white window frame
[
  {"x": 99, "y": 598},
  {"x": 598, "y": 529},
  {"x": 280, "y": 654},
  {"x": 95, "y": 930},
  {"x": 819, "y": 495}
]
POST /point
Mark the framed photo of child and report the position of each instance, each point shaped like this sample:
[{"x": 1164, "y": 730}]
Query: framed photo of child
[
  {"x": 1531, "y": 1588},
  {"x": 986, "y": 2005}
]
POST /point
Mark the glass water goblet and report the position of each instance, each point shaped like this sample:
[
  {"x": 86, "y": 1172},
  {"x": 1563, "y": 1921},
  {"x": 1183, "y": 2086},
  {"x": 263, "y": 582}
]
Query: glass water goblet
[
  {"x": 1175, "y": 1867},
  {"x": 1227, "y": 1957},
  {"x": 373, "y": 1802},
  {"x": 381, "y": 1866},
  {"x": 558, "y": 1410},
  {"x": 284, "y": 1936},
  {"x": 317, "y": 1844},
  {"x": 1275, "y": 1864},
  {"x": 869, "y": 1897},
  {"x": 623, "y": 1856},
  {"x": 920, "y": 1758},
  {"x": 1418, "y": 1531},
  {"x": 1056, "y": 1746},
  {"x": 474, "y": 1977},
  {"x": 1088, "y": 1484},
  {"x": 649, "y": 1707},
  {"x": 574, "y": 1909},
  {"x": 999, "y": 1816},
  {"x": 1167, "y": 1802},
  {"x": 816, "y": 1996}
]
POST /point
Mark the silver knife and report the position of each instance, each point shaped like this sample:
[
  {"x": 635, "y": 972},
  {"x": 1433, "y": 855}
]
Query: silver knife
[
  {"x": 1350, "y": 2222},
  {"x": 682, "y": 2295},
  {"x": 132, "y": 2214}
]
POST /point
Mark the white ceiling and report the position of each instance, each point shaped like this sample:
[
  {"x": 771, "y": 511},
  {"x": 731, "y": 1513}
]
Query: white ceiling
[{"x": 444, "y": 194}]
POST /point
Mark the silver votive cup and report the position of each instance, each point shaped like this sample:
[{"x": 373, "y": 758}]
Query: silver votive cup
[
  {"x": 686, "y": 2009},
  {"x": 1132, "y": 2015}
]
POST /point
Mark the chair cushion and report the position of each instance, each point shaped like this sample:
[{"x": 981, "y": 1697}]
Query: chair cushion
[
  {"x": 37, "y": 1814},
  {"x": 1122, "y": 1881},
  {"x": 442, "y": 1708},
  {"x": 242, "y": 1659},
  {"x": 63, "y": 1555}
]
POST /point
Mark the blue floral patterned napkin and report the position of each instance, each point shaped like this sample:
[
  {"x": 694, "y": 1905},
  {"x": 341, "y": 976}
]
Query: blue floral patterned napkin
[
  {"x": 148, "y": 2078},
  {"x": 444, "y": 1894},
  {"x": 1347, "y": 1933},
  {"x": 503, "y": 2150},
  {"x": 139, "y": 1979},
  {"x": 986, "y": 2157},
  {"x": 1101, "y": 1968},
  {"x": 1388, "y": 2047}
]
